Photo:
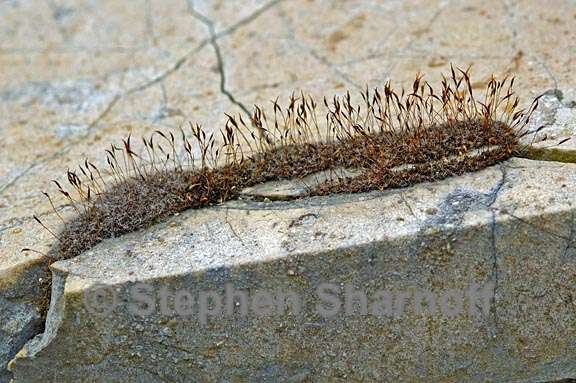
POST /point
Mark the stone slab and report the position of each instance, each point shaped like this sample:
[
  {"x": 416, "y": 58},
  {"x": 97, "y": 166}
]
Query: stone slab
[
  {"x": 77, "y": 76},
  {"x": 20, "y": 306},
  {"x": 511, "y": 225},
  {"x": 284, "y": 190}
]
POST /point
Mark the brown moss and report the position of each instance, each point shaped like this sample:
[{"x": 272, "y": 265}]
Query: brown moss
[{"x": 433, "y": 132}]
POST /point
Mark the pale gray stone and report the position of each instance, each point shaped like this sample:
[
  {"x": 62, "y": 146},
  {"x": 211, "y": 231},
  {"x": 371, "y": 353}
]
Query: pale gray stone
[
  {"x": 552, "y": 128},
  {"x": 512, "y": 225},
  {"x": 20, "y": 318},
  {"x": 292, "y": 189},
  {"x": 18, "y": 323}
]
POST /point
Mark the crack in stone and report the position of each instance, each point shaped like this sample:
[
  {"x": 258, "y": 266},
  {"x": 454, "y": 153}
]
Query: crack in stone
[
  {"x": 221, "y": 67},
  {"x": 323, "y": 60},
  {"x": 493, "y": 194},
  {"x": 149, "y": 371},
  {"x": 537, "y": 228},
  {"x": 314, "y": 54},
  {"x": 495, "y": 269},
  {"x": 547, "y": 70},
  {"x": 571, "y": 236},
  {"x": 232, "y": 229},
  {"x": 212, "y": 40},
  {"x": 149, "y": 24},
  {"x": 159, "y": 79},
  {"x": 177, "y": 65},
  {"x": 16, "y": 178},
  {"x": 225, "y": 32},
  {"x": 510, "y": 15},
  {"x": 405, "y": 201},
  {"x": 66, "y": 148},
  {"x": 408, "y": 46},
  {"x": 513, "y": 22},
  {"x": 222, "y": 73},
  {"x": 248, "y": 19},
  {"x": 102, "y": 115}
]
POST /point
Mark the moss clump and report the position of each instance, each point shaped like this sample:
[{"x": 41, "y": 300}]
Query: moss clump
[{"x": 431, "y": 131}]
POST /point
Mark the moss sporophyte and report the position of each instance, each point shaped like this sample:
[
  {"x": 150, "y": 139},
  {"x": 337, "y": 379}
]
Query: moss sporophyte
[{"x": 392, "y": 138}]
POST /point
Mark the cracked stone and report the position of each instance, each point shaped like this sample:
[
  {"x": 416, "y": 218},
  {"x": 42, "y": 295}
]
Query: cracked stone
[
  {"x": 292, "y": 189},
  {"x": 77, "y": 77},
  {"x": 514, "y": 233},
  {"x": 553, "y": 128}
]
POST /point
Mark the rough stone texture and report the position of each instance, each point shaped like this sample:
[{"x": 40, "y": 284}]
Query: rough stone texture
[
  {"x": 20, "y": 317},
  {"x": 19, "y": 323},
  {"x": 291, "y": 189},
  {"x": 77, "y": 75},
  {"x": 553, "y": 127},
  {"x": 512, "y": 224},
  {"x": 555, "y": 150}
]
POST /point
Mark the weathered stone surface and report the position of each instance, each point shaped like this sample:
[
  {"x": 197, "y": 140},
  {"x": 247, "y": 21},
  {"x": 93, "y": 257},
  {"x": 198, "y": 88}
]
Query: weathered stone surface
[
  {"x": 553, "y": 128},
  {"x": 20, "y": 317},
  {"x": 18, "y": 324},
  {"x": 82, "y": 76},
  {"x": 512, "y": 225},
  {"x": 561, "y": 150},
  {"x": 292, "y": 189},
  {"x": 78, "y": 75},
  {"x": 21, "y": 290}
]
